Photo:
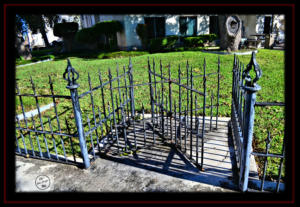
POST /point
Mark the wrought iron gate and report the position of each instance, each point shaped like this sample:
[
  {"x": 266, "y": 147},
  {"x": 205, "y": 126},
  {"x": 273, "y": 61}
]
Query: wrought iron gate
[{"x": 177, "y": 119}]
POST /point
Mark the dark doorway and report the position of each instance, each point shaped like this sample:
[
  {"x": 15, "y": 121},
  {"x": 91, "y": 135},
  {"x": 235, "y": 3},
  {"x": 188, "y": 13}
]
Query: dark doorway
[
  {"x": 214, "y": 25},
  {"x": 156, "y": 26}
]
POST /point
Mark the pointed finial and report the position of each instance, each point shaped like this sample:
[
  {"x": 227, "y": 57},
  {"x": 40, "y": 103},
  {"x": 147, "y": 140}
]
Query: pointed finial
[
  {"x": 253, "y": 63},
  {"x": 72, "y": 75},
  {"x": 50, "y": 80},
  {"x": 109, "y": 74},
  {"x": 89, "y": 77},
  {"x": 130, "y": 63}
]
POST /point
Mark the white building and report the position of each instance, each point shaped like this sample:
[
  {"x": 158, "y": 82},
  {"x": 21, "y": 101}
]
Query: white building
[{"x": 181, "y": 25}]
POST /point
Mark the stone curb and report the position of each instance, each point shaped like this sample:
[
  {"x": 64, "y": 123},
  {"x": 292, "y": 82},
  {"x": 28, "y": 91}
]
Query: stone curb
[
  {"x": 229, "y": 53},
  {"x": 19, "y": 66}
]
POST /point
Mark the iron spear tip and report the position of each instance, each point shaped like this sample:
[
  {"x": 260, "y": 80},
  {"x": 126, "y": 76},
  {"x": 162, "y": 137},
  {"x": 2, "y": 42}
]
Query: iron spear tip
[{"x": 69, "y": 62}]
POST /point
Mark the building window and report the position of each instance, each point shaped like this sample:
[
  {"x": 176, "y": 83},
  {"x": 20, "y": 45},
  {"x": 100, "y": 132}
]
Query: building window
[
  {"x": 188, "y": 26},
  {"x": 156, "y": 26}
]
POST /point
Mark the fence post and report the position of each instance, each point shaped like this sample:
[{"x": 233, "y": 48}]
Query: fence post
[
  {"x": 250, "y": 89},
  {"x": 72, "y": 76}
]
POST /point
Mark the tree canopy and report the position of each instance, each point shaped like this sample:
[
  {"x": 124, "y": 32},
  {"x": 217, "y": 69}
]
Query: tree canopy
[{"x": 37, "y": 23}]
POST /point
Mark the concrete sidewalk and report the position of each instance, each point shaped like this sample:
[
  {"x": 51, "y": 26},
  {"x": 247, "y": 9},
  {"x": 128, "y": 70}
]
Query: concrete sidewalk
[{"x": 155, "y": 168}]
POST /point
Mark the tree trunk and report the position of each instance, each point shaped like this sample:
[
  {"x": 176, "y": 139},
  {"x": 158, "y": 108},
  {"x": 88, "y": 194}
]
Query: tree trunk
[
  {"x": 68, "y": 41},
  {"x": 230, "y": 32},
  {"x": 44, "y": 35},
  {"x": 22, "y": 48}
]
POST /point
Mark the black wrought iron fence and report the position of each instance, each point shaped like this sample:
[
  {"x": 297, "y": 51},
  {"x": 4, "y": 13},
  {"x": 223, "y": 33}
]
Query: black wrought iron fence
[
  {"x": 105, "y": 117},
  {"x": 109, "y": 118},
  {"x": 244, "y": 90}
]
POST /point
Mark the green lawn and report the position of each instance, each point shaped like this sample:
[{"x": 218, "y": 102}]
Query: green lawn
[
  {"x": 272, "y": 83},
  {"x": 53, "y": 54}
]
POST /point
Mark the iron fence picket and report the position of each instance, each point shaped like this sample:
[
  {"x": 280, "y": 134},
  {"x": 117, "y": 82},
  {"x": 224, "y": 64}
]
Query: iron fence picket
[
  {"x": 170, "y": 102},
  {"x": 37, "y": 138},
  {"x": 179, "y": 104},
  {"x": 268, "y": 140},
  {"x": 53, "y": 140},
  {"x": 113, "y": 109},
  {"x": 197, "y": 131},
  {"x": 218, "y": 92},
  {"x": 191, "y": 114},
  {"x": 155, "y": 91},
  {"x": 204, "y": 114},
  {"x": 211, "y": 110},
  {"x": 280, "y": 167}
]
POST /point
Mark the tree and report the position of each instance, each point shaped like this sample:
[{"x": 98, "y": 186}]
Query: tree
[
  {"x": 38, "y": 22},
  {"x": 67, "y": 31},
  {"x": 21, "y": 40},
  {"x": 230, "y": 32},
  {"x": 106, "y": 29}
]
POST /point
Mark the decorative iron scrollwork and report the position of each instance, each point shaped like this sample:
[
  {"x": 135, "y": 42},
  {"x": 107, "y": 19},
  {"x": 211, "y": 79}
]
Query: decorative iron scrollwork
[
  {"x": 257, "y": 70},
  {"x": 72, "y": 75}
]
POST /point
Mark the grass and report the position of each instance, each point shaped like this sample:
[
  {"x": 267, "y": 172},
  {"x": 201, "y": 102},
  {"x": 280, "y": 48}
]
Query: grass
[
  {"x": 266, "y": 119},
  {"x": 53, "y": 54}
]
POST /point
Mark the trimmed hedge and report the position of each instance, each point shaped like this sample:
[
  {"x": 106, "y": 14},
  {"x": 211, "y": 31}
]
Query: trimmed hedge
[
  {"x": 86, "y": 35},
  {"x": 142, "y": 32},
  {"x": 108, "y": 27},
  {"x": 65, "y": 29},
  {"x": 199, "y": 40},
  {"x": 162, "y": 43},
  {"x": 92, "y": 34}
]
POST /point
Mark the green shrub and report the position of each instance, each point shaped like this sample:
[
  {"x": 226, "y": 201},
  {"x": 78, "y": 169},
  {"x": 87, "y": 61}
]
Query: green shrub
[
  {"x": 193, "y": 41},
  {"x": 179, "y": 49},
  {"x": 212, "y": 37},
  {"x": 92, "y": 34},
  {"x": 86, "y": 35},
  {"x": 199, "y": 40},
  {"x": 162, "y": 43},
  {"x": 142, "y": 32},
  {"x": 65, "y": 29},
  {"x": 121, "y": 54},
  {"x": 45, "y": 57}
]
